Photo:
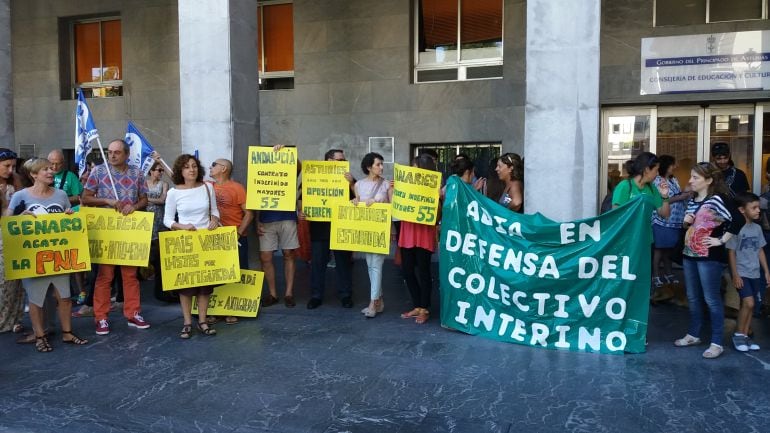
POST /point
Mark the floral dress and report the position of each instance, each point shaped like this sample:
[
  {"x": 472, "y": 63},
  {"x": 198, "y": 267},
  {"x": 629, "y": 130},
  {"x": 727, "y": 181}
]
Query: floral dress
[{"x": 11, "y": 293}]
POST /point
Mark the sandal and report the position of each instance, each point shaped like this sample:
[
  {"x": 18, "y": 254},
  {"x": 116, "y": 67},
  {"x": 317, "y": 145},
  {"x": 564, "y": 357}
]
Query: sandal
[
  {"x": 422, "y": 317},
  {"x": 207, "y": 330},
  {"x": 231, "y": 320},
  {"x": 410, "y": 314},
  {"x": 77, "y": 341},
  {"x": 687, "y": 340},
  {"x": 211, "y": 320},
  {"x": 42, "y": 345},
  {"x": 186, "y": 332},
  {"x": 713, "y": 351},
  {"x": 17, "y": 328}
]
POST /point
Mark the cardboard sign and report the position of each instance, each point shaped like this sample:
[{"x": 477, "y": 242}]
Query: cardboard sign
[
  {"x": 416, "y": 194},
  {"x": 117, "y": 239},
  {"x": 236, "y": 299},
  {"x": 199, "y": 258},
  {"x": 323, "y": 185},
  {"x": 272, "y": 179},
  {"x": 361, "y": 228},
  {"x": 44, "y": 245}
]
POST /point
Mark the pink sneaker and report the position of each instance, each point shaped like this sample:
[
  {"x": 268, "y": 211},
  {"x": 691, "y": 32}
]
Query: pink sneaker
[
  {"x": 138, "y": 322},
  {"x": 102, "y": 327}
]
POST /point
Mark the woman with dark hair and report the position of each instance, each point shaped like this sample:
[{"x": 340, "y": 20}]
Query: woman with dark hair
[
  {"x": 373, "y": 189},
  {"x": 194, "y": 202},
  {"x": 41, "y": 199},
  {"x": 510, "y": 169},
  {"x": 666, "y": 232},
  {"x": 417, "y": 243},
  {"x": 642, "y": 171},
  {"x": 710, "y": 224},
  {"x": 11, "y": 294}
]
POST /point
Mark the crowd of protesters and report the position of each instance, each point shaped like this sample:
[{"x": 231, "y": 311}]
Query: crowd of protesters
[{"x": 709, "y": 221}]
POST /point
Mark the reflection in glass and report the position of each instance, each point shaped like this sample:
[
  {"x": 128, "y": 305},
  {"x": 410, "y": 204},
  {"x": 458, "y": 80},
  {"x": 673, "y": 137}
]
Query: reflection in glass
[
  {"x": 627, "y": 136},
  {"x": 765, "y": 149},
  {"x": 738, "y": 131},
  {"x": 678, "y": 137},
  {"x": 437, "y": 26},
  {"x": 481, "y": 29}
]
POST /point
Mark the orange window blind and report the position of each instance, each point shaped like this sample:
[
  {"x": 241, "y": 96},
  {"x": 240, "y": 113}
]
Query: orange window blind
[
  {"x": 482, "y": 20},
  {"x": 439, "y": 22},
  {"x": 276, "y": 27},
  {"x": 98, "y": 51}
]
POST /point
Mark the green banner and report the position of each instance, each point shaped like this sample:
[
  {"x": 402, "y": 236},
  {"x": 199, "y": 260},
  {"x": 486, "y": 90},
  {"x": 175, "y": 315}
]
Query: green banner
[{"x": 582, "y": 285}]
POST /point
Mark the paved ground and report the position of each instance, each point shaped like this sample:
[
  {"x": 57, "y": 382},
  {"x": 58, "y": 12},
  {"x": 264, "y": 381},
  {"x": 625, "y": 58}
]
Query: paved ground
[{"x": 332, "y": 370}]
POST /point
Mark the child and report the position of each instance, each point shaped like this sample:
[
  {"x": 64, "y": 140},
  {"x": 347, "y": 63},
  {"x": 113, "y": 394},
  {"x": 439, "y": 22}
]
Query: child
[{"x": 746, "y": 255}]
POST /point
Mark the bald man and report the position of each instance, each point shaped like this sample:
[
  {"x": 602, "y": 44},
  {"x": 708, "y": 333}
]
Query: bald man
[
  {"x": 64, "y": 179},
  {"x": 231, "y": 202}
]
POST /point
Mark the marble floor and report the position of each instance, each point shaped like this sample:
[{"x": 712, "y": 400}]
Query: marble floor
[{"x": 332, "y": 370}]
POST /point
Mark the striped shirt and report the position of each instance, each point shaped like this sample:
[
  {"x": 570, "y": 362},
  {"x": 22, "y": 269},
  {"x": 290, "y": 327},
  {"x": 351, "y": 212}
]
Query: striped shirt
[{"x": 711, "y": 220}]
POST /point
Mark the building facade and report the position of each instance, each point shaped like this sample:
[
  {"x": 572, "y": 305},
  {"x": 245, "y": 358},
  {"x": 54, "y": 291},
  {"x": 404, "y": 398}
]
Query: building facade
[{"x": 561, "y": 83}]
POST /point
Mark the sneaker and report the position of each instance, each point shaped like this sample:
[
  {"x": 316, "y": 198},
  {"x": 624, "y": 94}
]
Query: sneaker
[
  {"x": 138, "y": 322},
  {"x": 752, "y": 345},
  {"x": 671, "y": 279},
  {"x": 83, "y": 311},
  {"x": 102, "y": 327},
  {"x": 332, "y": 263},
  {"x": 81, "y": 298},
  {"x": 740, "y": 342}
]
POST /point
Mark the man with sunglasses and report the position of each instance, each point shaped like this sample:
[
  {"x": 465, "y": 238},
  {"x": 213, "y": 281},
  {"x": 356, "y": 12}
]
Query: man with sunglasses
[
  {"x": 231, "y": 201},
  {"x": 320, "y": 233}
]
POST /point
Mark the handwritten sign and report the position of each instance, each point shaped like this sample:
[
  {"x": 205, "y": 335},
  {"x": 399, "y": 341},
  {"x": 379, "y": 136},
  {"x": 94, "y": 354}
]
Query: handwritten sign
[
  {"x": 272, "y": 179},
  {"x": 199, "y": 258},
  {"x": 117, "y": 239},
  {"x": 361, "y": 228},
  {"x": 415, "y": 194},
  {"x": 44, "y": 245},
  {"x": 323, "y": 185},
  {"x": 236, "y": 299}
]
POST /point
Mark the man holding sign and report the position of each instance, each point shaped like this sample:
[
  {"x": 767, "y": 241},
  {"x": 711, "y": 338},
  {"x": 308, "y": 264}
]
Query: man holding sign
[
  {"x": 131, "y": 191},
  {"x": 320, "y": 232}
]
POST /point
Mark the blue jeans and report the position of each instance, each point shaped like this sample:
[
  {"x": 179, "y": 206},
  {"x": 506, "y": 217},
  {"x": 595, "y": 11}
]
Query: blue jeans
[
  {"x": 703, "y": 279},
  {"x": 320, "y": 258}
]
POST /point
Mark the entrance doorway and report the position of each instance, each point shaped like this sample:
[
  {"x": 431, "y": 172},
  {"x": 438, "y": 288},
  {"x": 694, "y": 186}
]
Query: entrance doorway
[{"x": 686, "y": 133}]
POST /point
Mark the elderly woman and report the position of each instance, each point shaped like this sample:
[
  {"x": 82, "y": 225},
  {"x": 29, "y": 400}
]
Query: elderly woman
[
  {"x": 11, "y": 295},
  {"x": 156, "y": 203},
  {"x": 510, "y": 170},
  {"x": 195, "y": 204},
  {"x": 373, "y": 189},
  {"x": 40, "y": 199}
]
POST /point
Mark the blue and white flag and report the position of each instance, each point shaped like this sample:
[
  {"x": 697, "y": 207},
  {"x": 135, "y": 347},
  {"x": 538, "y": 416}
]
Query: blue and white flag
[
  {"x": 140, "y": 149},
  {"x": 85, "y": 131}
]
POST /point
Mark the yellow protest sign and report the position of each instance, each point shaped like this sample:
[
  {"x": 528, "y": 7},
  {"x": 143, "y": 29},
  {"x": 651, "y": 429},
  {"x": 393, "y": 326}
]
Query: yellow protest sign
[
  {"x": 198, "y": 258},
  {"x": 415, "y": 194},
  {"x": 44, "y": 245},
  {"x": 272, "y": 178},
  {"x": 117, "y": 239},
  {"x": 361, "y": 228},
  {"x": 236, "y": 299},
  {"x": 323, "y": 184}
]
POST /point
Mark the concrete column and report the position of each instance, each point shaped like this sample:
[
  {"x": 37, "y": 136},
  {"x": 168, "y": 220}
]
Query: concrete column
[
  {"x": 561, "y": 130},
  {"x": 218, "y": 79},
  {"x": 6, "y": 77}
]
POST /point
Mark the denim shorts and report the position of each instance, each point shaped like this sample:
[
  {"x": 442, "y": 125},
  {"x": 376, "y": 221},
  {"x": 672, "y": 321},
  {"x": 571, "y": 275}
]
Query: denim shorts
[{"x": 751, "y": 287}]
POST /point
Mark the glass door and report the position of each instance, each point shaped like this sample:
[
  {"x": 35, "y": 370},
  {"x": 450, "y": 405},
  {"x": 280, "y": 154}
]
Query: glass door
[
  {"x": 626, "y": 133},
  {"x": 735, "y": 126},
  {"x": 678, "y": 133},
  {"x": 763, "y": 132}
]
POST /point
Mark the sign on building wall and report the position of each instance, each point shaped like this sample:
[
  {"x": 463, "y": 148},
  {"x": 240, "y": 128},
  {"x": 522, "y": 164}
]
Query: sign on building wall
[{"x": 709, "y": 62}]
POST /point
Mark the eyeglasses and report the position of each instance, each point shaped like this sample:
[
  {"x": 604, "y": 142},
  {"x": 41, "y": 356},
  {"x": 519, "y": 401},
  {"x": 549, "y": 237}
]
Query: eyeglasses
[
  {"x": 214, "y": 164},
  {"x": 157, "y": 169}
]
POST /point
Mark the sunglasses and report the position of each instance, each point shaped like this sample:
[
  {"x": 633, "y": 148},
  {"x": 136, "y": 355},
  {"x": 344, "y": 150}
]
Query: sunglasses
[
  {"x": 214, "y": 164},
  {"x": 157, "y": 169}
]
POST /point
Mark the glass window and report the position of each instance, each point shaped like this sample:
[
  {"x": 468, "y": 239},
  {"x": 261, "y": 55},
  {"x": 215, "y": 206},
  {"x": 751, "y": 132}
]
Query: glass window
[
  {"x": 680, "y": 12},
  {"x": 275, "y": 50},
  {"x": 464, "y": 35},
  {"x": 98, "y": 57},
  {"x": 482, "y": 154},
  {"x": 765, "y": 150},
  {"x": 678, "y": 137},
  {"x": 734, "y": 10}
]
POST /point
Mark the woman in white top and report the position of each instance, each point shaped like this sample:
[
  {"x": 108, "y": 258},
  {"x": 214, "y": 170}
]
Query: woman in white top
[
  {"x": 195, "y": 204},
  {"x": 373, "y": 189}
]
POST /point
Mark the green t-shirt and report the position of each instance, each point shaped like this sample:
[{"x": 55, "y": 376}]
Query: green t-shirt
[
  {"x": 71, "y": 186},
  {"x": 627, "y": 189}
]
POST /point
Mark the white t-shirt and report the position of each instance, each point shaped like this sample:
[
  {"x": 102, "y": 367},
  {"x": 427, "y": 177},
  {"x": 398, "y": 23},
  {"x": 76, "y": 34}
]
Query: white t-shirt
[{"x": 192, "y": 206}]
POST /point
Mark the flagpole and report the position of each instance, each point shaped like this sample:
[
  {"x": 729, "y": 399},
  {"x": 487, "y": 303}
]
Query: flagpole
[{"x": 109, "y": 173}]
